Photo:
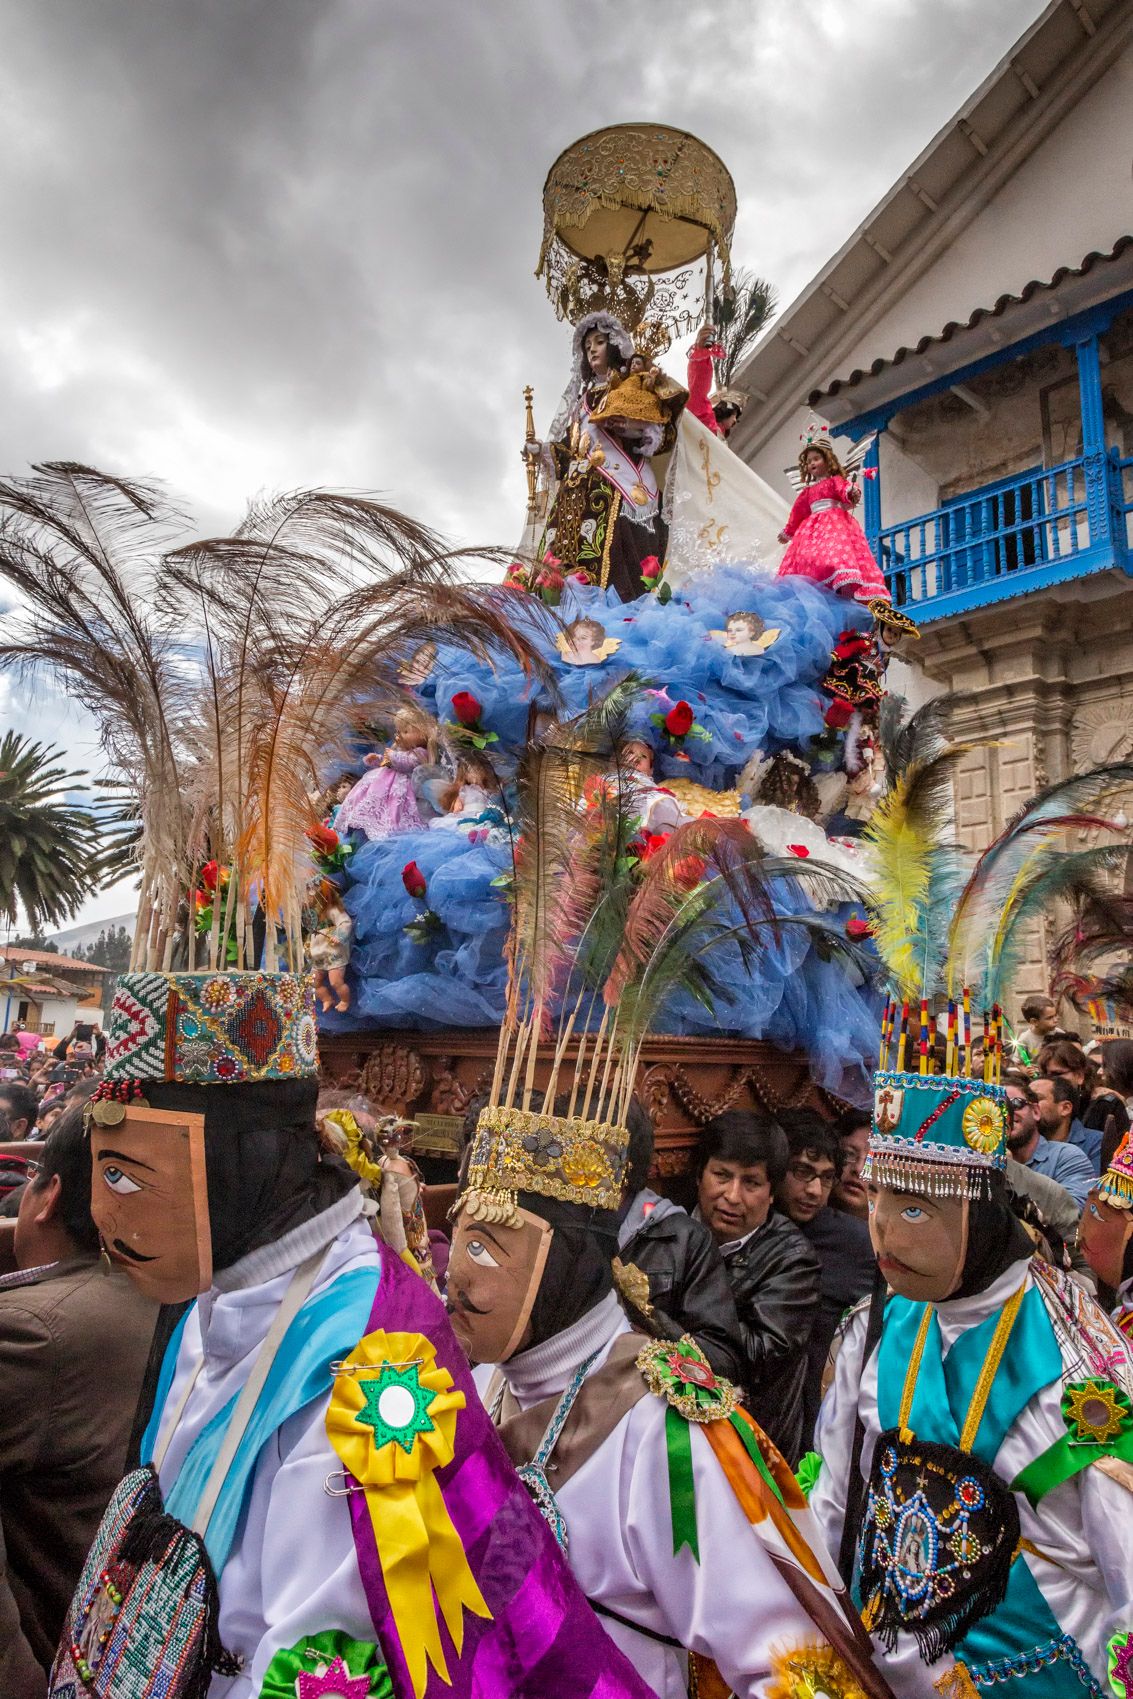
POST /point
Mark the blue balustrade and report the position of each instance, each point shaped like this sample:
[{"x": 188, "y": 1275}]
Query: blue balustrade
[
  {"x": 1036, "y": 528},
  {"x": 1121, "y": 484}
]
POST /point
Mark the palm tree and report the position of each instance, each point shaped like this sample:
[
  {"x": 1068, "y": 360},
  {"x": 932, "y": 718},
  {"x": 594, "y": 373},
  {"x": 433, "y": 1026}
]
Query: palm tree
[
  {"x": 739, "y": 316},
  {"x": 52, "y": 854}
]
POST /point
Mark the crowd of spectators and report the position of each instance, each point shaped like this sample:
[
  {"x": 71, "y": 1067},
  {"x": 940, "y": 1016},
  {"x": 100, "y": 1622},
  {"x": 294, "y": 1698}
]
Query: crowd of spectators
[
  {"x": 772, "y": 1250},
  {"x": 74, "y": 1342},
  {"x": 39, "y": 1080}
]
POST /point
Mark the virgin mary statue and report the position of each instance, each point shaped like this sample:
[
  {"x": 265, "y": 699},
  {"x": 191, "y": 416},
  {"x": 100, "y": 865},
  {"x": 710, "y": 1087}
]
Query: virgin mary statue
[{"x": 605, "y": 515}]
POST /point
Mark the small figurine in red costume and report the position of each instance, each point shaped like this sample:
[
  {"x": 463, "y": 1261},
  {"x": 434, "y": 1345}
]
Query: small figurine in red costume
[
  {"x": 826, "y": 543},
  {"x": 718, "y": 412}
]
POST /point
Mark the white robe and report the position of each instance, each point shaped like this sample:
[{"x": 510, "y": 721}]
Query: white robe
[
  {"x": 732, "y": 1606},
  {"x": 292, "y": 1569},
  {"x": 1085, "y": 1526}
]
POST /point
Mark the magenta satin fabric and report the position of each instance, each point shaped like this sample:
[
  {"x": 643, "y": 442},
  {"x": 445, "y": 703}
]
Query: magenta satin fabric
[{"x": 543, "y": 1638}]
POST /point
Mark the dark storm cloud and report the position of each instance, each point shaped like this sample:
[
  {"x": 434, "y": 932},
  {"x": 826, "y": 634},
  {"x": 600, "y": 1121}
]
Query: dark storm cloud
[
  {"x": 254, "y": 245},
  {"x": 257, "y": 244}
]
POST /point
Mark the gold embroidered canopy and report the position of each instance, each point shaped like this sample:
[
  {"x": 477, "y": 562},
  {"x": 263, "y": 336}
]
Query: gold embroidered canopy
[{"x": 636, "y": 217}]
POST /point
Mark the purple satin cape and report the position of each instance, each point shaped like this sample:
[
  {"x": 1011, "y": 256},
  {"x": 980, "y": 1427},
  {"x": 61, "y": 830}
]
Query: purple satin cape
[{"x": 543, "y": 1638}]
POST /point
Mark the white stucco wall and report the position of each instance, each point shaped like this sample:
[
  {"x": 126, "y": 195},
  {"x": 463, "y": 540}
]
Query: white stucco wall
[
  {"x": 61, "y": 1012},
  {"x": 1071, "y": 197}
]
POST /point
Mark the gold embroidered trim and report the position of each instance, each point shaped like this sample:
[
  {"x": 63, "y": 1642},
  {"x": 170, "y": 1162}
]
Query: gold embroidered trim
[{"x": 554, "y": 1156}]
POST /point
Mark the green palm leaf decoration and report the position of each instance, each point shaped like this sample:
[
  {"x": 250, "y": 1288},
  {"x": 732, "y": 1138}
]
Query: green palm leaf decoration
[
  {"x": 739, "y": 317},
  {"x": 51, "y": 851}
]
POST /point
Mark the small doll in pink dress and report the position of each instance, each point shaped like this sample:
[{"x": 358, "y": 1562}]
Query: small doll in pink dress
[
  {"x": 383, "y": 801},
  {"x": 826, "y": 543}
]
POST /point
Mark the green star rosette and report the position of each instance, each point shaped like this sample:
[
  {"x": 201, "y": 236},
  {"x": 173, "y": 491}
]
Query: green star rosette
[{"x": 295, "y": 1670}]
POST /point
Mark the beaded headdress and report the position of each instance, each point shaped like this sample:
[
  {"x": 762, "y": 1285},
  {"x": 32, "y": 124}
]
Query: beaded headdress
[
  {"x": 950, "y": 935},
  {"x": 1116, "y": 1186}
]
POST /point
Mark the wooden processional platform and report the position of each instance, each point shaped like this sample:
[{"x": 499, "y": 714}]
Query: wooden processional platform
[{"x": 433, "y": 1077}]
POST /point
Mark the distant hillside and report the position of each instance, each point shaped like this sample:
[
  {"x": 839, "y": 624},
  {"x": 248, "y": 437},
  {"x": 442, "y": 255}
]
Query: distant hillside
[{"x": 88, "y": 934}]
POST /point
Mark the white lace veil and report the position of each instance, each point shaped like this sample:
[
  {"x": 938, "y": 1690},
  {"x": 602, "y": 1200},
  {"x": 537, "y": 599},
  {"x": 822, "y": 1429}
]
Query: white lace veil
[{"x": 622, "y": 341}]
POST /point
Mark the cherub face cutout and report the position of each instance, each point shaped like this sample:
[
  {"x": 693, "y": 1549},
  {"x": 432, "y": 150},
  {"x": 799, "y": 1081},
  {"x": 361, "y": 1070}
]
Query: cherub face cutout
[
  {"x": 584, "y": 643},
  {"x": 494, "y": 1273},
  {"x": 150, "y": 1202},
  {"x": 746, "y": 634}
]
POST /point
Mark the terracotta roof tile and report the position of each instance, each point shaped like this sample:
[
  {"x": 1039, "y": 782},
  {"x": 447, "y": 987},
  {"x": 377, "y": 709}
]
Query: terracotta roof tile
[{"x": 953, "y": 328}]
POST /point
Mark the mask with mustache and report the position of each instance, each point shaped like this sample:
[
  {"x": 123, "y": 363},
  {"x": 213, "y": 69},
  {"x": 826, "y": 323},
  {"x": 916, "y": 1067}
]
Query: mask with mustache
[
  {"x": 149, "y": 1200},
  {"x": 494, "y": 1274}
]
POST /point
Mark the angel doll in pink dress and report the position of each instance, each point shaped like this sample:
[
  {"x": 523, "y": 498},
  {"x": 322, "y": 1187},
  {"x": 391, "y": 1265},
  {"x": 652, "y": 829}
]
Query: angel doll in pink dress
[
  {"x": 825, "y": 542},
  {"x": 384, "y": 801}
]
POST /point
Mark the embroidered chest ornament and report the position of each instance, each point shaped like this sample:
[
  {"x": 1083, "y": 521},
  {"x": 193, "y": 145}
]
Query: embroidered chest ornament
[
  {"x": 941, "y": 1528},
  {"x": 680, "y": 1373},
  {"x": 939, "y": 1535}
]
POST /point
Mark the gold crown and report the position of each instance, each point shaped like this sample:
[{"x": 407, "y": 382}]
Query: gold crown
[
  {"x": 651, "y": 339},
  {"x": 555, "y": 1156}
]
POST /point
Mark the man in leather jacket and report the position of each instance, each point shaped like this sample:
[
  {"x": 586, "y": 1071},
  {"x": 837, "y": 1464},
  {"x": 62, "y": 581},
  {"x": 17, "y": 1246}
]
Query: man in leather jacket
[
  {"x": 772, "y": 1271},
  {"x": 688, "y": 1288},
  {"x": 847, "y": 1266}
]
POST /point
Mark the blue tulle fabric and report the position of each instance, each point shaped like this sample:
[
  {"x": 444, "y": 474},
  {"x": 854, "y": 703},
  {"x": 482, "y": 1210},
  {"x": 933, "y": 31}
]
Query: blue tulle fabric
[{"x": 791, "y": 996}]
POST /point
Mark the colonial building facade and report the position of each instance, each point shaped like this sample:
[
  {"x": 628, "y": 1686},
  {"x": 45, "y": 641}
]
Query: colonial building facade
[{"x": 980, "y": 321}]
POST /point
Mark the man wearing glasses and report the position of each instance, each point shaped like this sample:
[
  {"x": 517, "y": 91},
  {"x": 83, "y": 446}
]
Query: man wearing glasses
[
  {"x": 841, "y": 1242},
  {"x": 1064, "y": 1163}
]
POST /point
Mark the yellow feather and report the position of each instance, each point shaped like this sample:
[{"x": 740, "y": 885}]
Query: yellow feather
[{"x": 901, "y": 861}]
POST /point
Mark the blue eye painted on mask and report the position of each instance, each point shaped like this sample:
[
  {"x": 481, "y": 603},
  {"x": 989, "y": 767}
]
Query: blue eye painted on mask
[
  {"x": 119, "y": 1182},
  {"x": 481, "y": 1255}
]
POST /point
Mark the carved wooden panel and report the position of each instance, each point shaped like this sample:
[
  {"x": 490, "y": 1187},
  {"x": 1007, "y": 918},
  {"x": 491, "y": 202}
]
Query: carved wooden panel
[
  {"x": 683, "y": 1083},
  {"x": 394, "y": 1076}
]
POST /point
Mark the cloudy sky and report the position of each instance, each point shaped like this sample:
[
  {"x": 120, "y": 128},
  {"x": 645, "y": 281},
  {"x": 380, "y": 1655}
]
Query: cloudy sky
[{"x": 258, "y": 244}]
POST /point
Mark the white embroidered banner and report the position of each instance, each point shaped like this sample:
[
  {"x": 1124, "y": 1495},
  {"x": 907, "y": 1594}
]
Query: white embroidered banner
[{"x": 719, "y": 510}]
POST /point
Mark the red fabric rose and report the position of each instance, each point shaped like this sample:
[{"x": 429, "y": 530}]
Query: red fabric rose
[
  {"x": 800, "y": 850},
  {"x": 679, "y": 719},
  {"x": 210, "y": 873},
  {"x": 839, "y": 713},
  {"x": 578, "y": 577},
  {"x": 413, "y": 879},
  {"x": 323, "y": 838},
  {"x": 551, "y": 560},
  {"x": 466, "y": 708},
  {"x": 857, "y": 928},
  {"x": 650, "y": 844},
  {"x": 550, "y": 579}
]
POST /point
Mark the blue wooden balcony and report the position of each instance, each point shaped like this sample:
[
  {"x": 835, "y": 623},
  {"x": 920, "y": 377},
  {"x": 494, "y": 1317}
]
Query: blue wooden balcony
[
  {"x": 1042, "y": 526},
  {"x": 1037, "y": 529}
]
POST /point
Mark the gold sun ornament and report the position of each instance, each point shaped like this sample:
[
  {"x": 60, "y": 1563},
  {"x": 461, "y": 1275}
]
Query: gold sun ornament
[
  {"x": 1096, "y": 1409},
  {"x": 983, "y": 1124}
]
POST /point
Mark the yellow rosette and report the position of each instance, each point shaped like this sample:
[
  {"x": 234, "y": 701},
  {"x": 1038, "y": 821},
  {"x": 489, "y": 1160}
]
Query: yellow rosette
[{"x": 392, "y": 1422}]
